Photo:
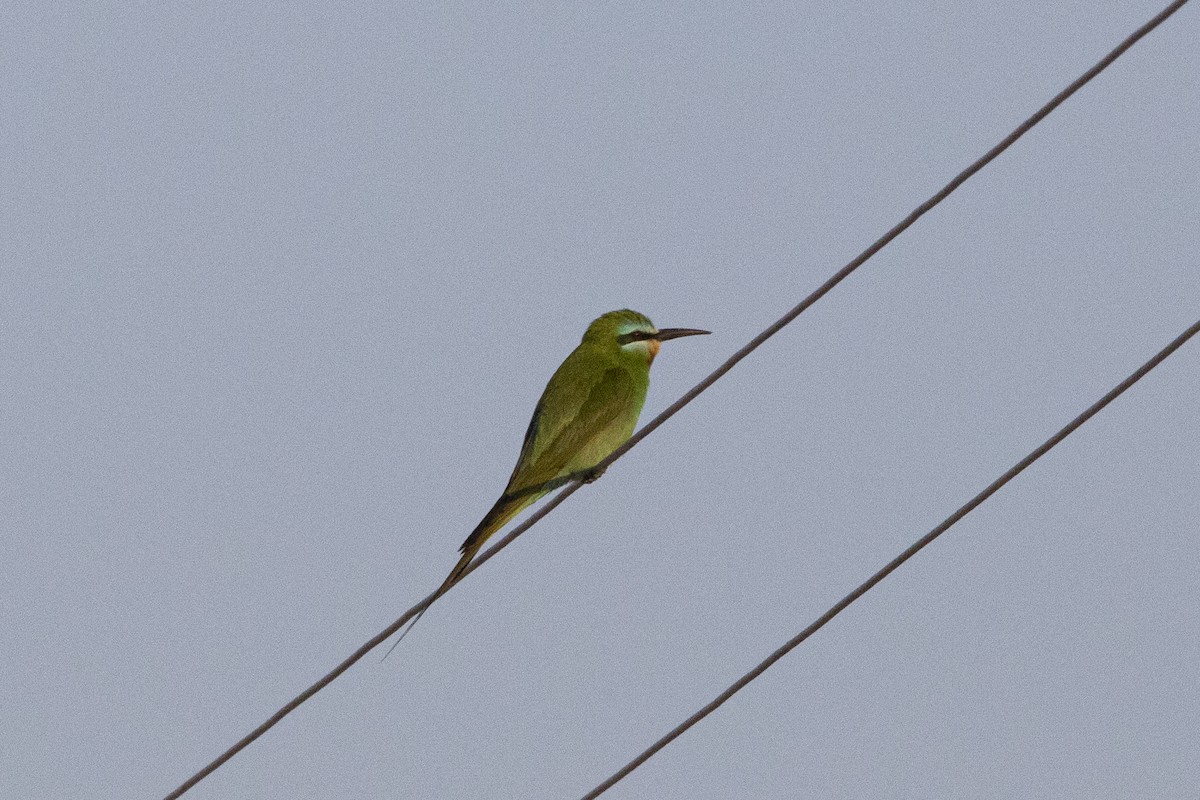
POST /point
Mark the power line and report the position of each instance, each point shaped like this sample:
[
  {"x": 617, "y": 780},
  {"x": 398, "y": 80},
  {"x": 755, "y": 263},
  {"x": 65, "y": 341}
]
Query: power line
[
  {"x": 892, "y": 565},
  {"x": 675, "y": 407}
]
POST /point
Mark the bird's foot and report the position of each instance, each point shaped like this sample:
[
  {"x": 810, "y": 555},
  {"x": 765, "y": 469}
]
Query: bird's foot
[{"x": 592, "y": 475}]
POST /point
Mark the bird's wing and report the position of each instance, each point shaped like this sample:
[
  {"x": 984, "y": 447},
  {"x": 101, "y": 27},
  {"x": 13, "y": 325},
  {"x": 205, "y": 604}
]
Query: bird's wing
[
  {"x": 527, "y": 445},
  {"x": 563, "y": 454}
]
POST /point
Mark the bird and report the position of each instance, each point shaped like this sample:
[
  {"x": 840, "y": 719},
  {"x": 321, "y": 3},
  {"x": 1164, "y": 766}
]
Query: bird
[{"x": 588, "y": 409}]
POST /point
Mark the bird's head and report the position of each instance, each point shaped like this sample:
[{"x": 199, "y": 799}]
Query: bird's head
[{"x": 633, "y": 333}]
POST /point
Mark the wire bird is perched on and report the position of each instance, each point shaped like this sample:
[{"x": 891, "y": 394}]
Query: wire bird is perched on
[{"x": 588, "y": 409}]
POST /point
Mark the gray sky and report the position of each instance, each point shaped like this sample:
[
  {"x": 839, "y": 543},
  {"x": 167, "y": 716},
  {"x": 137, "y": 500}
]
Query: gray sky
[{"x": 282, "y": 286}]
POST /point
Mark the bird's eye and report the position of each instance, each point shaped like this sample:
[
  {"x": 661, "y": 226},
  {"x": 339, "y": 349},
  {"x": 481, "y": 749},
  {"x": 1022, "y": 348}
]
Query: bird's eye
[{"x": 634, "y": 336}]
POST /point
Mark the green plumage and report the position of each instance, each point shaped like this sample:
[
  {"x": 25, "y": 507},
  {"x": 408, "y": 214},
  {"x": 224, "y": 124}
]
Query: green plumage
[{"x": 587, "y": 410}]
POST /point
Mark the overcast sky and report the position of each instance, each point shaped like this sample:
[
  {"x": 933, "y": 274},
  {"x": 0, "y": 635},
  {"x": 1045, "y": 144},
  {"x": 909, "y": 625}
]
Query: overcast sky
[{"x": 281, "y": 286}]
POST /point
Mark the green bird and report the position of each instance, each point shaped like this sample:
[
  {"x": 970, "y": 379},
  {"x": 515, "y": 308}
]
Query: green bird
[{"x": 587, "y": 410}]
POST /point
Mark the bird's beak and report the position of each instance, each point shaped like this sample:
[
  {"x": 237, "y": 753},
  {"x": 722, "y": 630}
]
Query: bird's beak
[{"x": 674, "y": 333}]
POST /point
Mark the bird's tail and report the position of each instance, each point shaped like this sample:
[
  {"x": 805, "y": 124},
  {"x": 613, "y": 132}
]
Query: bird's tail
[{"x": 505, "y": 509}]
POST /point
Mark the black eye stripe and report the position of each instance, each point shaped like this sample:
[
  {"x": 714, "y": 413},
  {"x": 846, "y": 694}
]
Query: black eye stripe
[{"x": 634, "y": 336}]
